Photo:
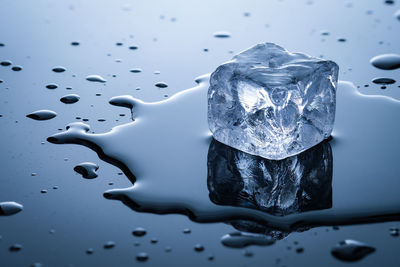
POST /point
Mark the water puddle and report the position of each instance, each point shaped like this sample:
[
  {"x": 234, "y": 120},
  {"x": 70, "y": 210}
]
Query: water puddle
[{"x": 175, "y": 166}]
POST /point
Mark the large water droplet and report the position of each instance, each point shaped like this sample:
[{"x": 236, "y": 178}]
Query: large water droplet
[
  {"x": 109, "y": 245},
  {"x": 95, "y": 78},
  {"x": 383, "y": 81},
  {"x": 70, "y": 99},
  {"x": 10, "y": 208},
  {"x": 241, "y": 240},
  {"x": 142, "y": 256},
  {"x": 87, "y": 169},
  {"x": 161, "y": 85},
  {"x": 351, "y": 250},
  {"x": 139, "y": 231},
  {"x": 41, "y": 115},
  {"x": 199, "y": 247},
  {"x": 16, "y": 68},
  {"x": 51, "y": 86},
  {"x": 5, "y": 63},
  {"x": 59, "y": 69},
  {"x": 386, "y": 61}
]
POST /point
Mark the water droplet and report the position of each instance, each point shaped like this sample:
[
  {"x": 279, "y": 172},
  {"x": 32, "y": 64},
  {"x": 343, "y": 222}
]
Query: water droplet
[
  {"x": 87, "y": 169},
  {"x": 325, "y": 33},
  {"x": 157, "y": 72},
  {"x": 154, "y": 240},
  {"x": 90, "y": 251},
  {"x": 394, "y": 231},
  {"x": 43, "y": 191},
  {"x": 211, "y": 258},
  {"x": 139, "y": 231},
  {"x": 109, "y": 245},
  {"x": 161, "y": 85},
  {"x": 386, "y": 61},
  {"x": 168, "y": 249},
  {"x": 389, "y": 2},
  {"x": 351, "y": 250},
  {"x": 96, "y": 78},
  {"x": 248, "y": 253},
  {"x": 299, "y": 250},
  {"x": 10, "y": 208},
  {"x": 15, "y": 248},
  {"x": 136, "y": 70},
  {"x": 2, "y": 45},
  {"x": 342, "y": 40},
  {"x": 142, "y": 256},
  {"x": 58, "y": 69},
  {"x": 222, "y": 34},
  {"x": 41, "y": 115},
  {"x": 74, "y": 43},
  {"x": 241, "y": 240},
  {"x": 384, "y": 81},
  {"x": 397, "y": 14},
  {"x": 55, "y": 187},
  {"x": 119, "y": 44},
  {"x": 187, "y": 231},
  {"x": 198, "y": 248},
  {"x": 246, "y": 14},
  {"x": 101, "y": 120},
  {"x": 51, "y": 86},
  {"x": 16, "y": 68},
  {"x": 70, "y": 99},
  {"x": 5, "y": 63},
  {"x": 133, "y": 47}
]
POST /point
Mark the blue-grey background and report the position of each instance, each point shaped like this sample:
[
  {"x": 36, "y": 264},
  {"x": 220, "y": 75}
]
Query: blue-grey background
[{"x": 171, "y": 36}]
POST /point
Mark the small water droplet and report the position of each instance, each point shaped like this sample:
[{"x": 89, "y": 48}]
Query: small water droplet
[
  {"x": 154, "y": 240},
  {"x": 51, "y": 86},
  {"x": 5, "y": 63},
  {"x": 70, "y": 98},
  {"x": 342, "y": 40},
  {"x": 119, "y": 44},
  {"x": 16, "y": 68},
  {"x": 87, "y": 169},
  {"x": 397, "y": 14},
  {"x": 136, "y": 70},
  {"x": 109, "y": 245},
  {"x": 58, "y": 69},
  {"x": 211, "y": 257},
  {"x": 10, "y": 208},
  {"x": 133, "y": 47},
  {"x": 161, "y": 85},
  {"x": 198, "y": 248},
  {"x": 142, "y": 256},
  {"x": 299, "y": 250},
  {"x": 187, "y": 231},
  {"x": 96, "y": 78},
  {"x": 222, "y": 34},
  {"x": 384, "y": 81},
  {"x": 248, "y": 253},
  {"x": 74, "y": 43},
  {"x": 389, "y": 2},
  {"x": 41, "y": 115},
  {"x": 2, "y": 45},
  {"x": 43, "y": 191},
  {"x": 386, "y": 61},
  {"x": 90, "y": 251},
  {"x": 351, "y": 250},
  {"x": 15, "y": 248},
  {"x": 139, "y": 231},
  {"x": 168, "y": 249},
  {"x": 394, "y": 231}
]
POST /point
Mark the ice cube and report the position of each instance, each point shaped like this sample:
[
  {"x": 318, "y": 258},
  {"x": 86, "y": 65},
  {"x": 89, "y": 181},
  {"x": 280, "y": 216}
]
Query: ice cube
[{"x": 272, "y": 103}]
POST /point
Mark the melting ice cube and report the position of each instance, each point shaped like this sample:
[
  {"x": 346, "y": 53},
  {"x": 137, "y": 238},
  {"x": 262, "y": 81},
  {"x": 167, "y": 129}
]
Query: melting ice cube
[{"x": 272, "y": 103}]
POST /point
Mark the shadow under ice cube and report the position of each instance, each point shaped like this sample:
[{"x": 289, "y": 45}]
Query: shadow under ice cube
[{"x": 272, "y": 103}]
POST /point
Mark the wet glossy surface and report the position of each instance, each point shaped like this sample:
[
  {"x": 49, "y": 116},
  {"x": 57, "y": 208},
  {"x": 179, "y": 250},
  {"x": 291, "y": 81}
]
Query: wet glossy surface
[{"x": 177, "y": 40}]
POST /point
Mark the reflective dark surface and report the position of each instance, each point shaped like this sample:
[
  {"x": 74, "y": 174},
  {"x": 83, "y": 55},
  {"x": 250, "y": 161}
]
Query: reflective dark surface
[{"x": 57, "y": 228}]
